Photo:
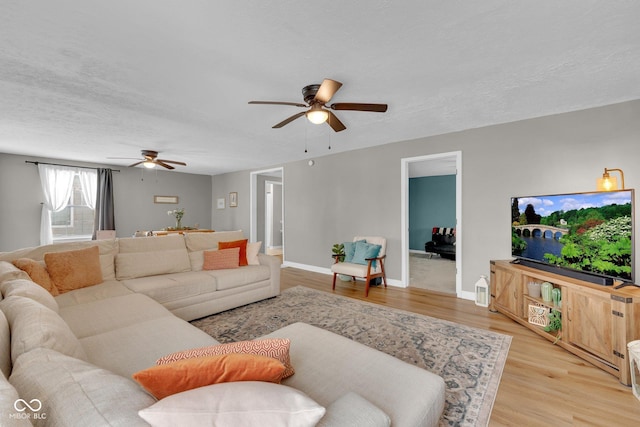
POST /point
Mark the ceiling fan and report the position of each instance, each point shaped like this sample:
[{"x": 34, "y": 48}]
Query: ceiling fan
[
  {"x": 150, "y": 160},
  {"x": 316, "y": 98}
]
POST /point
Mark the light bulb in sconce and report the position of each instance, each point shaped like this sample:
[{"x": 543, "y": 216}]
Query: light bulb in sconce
[
  {"x": 608, "y": 182},
  {"x": 317, "y": 115},
  {"x": 149, "y": 164}
]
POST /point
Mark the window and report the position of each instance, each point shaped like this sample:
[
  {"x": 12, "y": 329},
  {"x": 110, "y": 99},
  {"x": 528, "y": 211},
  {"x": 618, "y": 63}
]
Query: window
[{"x": 75, "y": 222}]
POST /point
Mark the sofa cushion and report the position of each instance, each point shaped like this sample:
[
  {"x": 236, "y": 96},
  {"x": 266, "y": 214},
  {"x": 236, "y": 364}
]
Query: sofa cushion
[
  {"x": 221, "y": 259},
  {"x": 247, "y": 403},
  {"x": 136, "y": 347},
  {"x": 74, "y": 269},
  {"x": 150, "y": 244},
  {"x": 37, "y": 253},
  {"x": 27, "y": 288},
  {"x": 96, "y": 317},
  {"x": 278, "y": 348},
  {"x": 227, "y": 279},
  {"x": 5, "y": 346},
  {"x": 142, "y": 264},
  {"x": 37, "y": 272},
  {"x": 34, "y": 325},
  {"x": 9, "y": 416},
  {"x": 209, "y": 241},
  {"x": 354, "y": 410},
  {"x": 352, "y": 365},
  {"x": 9, "y": 271},
  {"x": 173, "y": 287},
  {"x": 107, "y": 289},
  {"x": 242, "y": 244},
  {"x": 175, "y": 377},
  {"x": 76, "y": 393}
]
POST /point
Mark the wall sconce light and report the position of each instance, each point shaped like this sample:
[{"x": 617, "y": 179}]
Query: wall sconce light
[
  {"x": 317, "y": 114},
  {"x": 608, "y": 182}
]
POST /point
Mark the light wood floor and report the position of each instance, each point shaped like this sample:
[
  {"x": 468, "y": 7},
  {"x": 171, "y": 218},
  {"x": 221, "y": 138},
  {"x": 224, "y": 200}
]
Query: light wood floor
[{"x": 541, "y": 384}]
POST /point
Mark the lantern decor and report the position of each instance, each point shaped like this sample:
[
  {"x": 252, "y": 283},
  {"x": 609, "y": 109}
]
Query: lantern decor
[{"x": 482, "y": 292}]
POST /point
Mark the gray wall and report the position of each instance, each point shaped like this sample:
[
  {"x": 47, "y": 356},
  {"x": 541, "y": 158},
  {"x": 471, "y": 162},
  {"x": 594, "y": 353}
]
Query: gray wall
[
  {"x": 432, "y": 203},
  {"x": 21, "y": 195},
  {"x": 358, "y": 192}
]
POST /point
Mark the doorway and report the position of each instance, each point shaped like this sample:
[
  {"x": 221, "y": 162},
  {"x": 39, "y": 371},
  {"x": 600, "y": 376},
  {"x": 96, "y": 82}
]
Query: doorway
[
  {"x": 433, "y": 273},
  {"x": 267, "y": 210}
]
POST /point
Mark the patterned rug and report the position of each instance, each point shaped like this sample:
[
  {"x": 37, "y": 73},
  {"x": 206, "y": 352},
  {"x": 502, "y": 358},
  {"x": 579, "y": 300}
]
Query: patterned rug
[{"x": 470, "y": 360}]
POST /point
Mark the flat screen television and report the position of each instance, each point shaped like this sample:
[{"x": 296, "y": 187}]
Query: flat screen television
[{"x": 588, "y": 236}]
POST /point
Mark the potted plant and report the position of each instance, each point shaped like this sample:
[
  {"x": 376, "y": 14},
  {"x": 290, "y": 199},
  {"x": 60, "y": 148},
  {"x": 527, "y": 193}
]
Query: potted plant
[
  {"x": 555, "y": 324},
  {"x": 338, "y": 252}
]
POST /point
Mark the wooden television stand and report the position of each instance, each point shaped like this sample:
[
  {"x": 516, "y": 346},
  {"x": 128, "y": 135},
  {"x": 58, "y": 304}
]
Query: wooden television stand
[{"x": 597, "y": 321}]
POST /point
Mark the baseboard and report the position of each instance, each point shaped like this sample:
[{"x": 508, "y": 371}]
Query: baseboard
[{"x": 324, "y": 270}]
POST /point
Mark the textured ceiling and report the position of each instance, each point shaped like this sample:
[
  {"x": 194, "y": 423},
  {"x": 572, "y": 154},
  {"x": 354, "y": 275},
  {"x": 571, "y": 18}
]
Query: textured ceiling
[{"x": 86, "y": 80}]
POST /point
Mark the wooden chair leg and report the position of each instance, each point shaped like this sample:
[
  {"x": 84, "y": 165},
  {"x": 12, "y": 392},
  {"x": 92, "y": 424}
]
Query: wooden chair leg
[
  {"x": 334, "y": 281},
  {"x": 384, "y": 274}
]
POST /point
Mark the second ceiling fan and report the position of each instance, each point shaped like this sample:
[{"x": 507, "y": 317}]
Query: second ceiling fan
[{"x": 316, "y": 98}]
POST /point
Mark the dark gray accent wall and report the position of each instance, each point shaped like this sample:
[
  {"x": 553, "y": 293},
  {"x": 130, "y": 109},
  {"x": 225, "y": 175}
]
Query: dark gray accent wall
[
  {"x": 134, "y": 188},
  {"x": 432, "y": 203},
  {"x": 359, "y": 192}
]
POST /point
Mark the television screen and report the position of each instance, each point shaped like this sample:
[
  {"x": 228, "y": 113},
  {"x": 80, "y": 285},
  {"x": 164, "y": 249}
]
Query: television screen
[{"x": 585, "y": 232}]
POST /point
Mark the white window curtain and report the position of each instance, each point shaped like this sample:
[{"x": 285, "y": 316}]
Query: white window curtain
[
  {"x": 89, "y": 184},
  {"x": 57, "y": 184}
]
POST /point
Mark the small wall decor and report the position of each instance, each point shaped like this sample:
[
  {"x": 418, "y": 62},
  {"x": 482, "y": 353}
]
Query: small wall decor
[
  {"x": 233, "y": 200},
  {"x": 220, "y": 204},
  {"x": 166, "y": 199}
]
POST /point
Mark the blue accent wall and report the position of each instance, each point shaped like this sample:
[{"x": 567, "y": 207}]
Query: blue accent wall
[{"x": 432, "y": 203}]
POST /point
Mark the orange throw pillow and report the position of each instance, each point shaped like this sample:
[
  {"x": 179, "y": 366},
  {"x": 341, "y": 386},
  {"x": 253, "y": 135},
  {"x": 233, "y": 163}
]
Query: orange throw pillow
[
  {"x": 242, "y": 244},
  {"x": 164, "y": 380},
  {"x": 38, "y": 273},
  {"x": 74, "y": 269},
  {"x": 222, "y": 258},
  {"x": 277, "y": 348}
]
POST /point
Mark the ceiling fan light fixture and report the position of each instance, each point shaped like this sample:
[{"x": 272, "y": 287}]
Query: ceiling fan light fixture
[
  {"x": 317, "y": 115},
  {"x": 149, "y": 164}
]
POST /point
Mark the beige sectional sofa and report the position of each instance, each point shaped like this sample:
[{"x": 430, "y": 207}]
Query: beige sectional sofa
[{"x": 68, "y": 360}]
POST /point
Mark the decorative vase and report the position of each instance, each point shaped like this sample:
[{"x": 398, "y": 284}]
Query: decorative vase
[
  {"x": 178, "y": 223},
  {"x": 546, "y": 290},
  {"x": 556, "y": 296},
  {"x": 534, "y": 289}
]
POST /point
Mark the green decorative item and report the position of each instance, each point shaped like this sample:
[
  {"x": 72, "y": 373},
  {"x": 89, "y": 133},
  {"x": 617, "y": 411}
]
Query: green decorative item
[
  {"x": 338, "y": 251},
  {"x": 556, "y": 296},
  {"x": 546, "y": 289}
]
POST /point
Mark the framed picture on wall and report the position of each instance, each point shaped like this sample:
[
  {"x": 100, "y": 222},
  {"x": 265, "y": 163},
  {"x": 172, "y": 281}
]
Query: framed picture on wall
[{"x": 233, "y": 200}]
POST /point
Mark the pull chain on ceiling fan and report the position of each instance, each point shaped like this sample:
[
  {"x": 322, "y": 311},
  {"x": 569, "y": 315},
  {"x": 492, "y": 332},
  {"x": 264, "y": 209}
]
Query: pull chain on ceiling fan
[{"x": 316, "y": 98}]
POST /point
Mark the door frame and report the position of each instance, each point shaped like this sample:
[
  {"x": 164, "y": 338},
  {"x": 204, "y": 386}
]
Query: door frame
[
  {"x": 253, "y": 204},
  {"x": 404, "y": 200}
]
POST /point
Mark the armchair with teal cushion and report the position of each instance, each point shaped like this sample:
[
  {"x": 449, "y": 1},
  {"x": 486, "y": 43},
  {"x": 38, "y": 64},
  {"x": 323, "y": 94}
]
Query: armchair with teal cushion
[{"x": 364, "y": 257}]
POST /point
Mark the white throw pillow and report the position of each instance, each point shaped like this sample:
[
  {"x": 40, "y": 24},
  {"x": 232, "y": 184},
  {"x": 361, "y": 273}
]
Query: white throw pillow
[
  {"x": 252, "y": 253},
  {"x": 235, "y": 404}
]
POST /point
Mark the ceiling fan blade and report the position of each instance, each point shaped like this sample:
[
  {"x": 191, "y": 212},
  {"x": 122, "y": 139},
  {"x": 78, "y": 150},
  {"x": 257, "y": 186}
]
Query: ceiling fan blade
[
  {"x": 172, "y": 162},
  {"x": 163, "y": 164},
  {"x": 295, "y": 104},
  {"x": 137, "y": 163},
  {"x": 335, "y": 123},
  {"x": 289, "y": 120},
  {"x": 327, "y": 89},
  {"x": 377, "y": 108}
]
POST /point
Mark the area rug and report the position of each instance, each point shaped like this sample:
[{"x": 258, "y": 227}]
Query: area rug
[{"x": 470, "y": 360}]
